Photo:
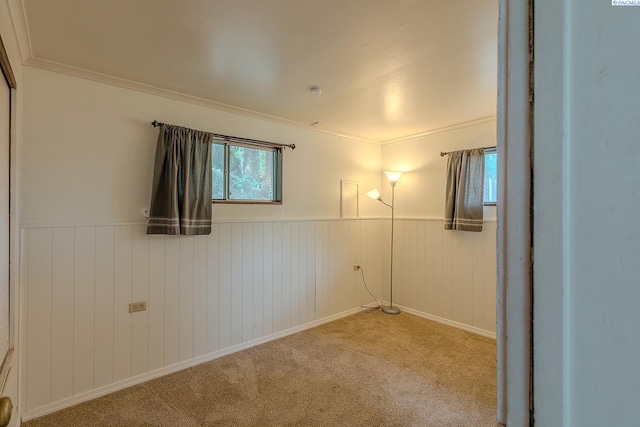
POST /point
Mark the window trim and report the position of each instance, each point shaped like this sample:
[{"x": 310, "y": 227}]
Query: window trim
[{"x": 277, "y": 150}]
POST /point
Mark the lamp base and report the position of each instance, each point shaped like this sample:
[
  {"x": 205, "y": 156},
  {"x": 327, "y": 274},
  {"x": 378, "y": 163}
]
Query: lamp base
[{"x": 390, "y": 310}]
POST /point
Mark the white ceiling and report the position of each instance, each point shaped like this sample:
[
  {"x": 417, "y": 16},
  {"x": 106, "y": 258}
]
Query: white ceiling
[{"x": 388, "y": 69}]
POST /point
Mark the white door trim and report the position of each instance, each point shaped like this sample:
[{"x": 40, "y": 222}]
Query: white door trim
[
  {"x": 8, "y": 376},
  {"x": 514, "y": 215},
  {"x": 551, "y": 169}
]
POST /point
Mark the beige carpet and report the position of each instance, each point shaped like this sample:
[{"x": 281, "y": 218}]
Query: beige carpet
[{"x": 363, "y": 370}]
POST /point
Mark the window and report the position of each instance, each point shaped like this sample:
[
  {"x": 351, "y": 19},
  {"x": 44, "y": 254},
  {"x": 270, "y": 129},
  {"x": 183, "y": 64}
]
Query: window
[
  {"x": 490, "y": 177},
  {"x": 243, "y": 173}
]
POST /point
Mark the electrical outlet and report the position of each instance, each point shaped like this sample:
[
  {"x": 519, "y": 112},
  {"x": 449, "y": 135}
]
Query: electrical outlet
[
  {"x": 356, "y": 267},
  {"x": 137, "y": 306}
]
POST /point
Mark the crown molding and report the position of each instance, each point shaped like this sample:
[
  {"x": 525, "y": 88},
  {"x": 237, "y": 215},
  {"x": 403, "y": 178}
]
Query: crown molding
[
  {"x": 81, "y": 73},
  {"x": 450, "y": 128},
  {"x": 20, "y": 28}
]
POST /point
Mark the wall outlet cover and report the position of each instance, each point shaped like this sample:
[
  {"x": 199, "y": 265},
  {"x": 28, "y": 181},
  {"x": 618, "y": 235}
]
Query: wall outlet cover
[{"x": 137, "y": 306}]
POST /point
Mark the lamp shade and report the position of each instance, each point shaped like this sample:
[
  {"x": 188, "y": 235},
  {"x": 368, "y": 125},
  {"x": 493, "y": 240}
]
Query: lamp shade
[
  {"x": 393, "y": 176},
  {"x": 374, "y": 194}
]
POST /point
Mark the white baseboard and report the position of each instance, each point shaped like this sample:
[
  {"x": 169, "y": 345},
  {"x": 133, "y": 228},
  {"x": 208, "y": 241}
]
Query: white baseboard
[
  {"x": 448, "y": 322},
  {"x": 83, "y": 397},
  {"x": 102, "y": 391}
]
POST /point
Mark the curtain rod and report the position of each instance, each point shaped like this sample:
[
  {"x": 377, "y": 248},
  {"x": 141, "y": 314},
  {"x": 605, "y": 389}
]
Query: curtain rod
[
  {"x": 444, "y": 153},
  {"x": 156, "y": 123}
]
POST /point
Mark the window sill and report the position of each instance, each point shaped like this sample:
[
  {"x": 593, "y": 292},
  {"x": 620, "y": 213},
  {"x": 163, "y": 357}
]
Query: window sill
[{"x": 246, "y": 202}]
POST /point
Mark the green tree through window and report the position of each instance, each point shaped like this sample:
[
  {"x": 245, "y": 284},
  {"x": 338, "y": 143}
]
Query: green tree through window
[
  {"x": 253, "y": 173},
  {"x": 490, "y": 177},
  {"x": 217, "y": 171}
]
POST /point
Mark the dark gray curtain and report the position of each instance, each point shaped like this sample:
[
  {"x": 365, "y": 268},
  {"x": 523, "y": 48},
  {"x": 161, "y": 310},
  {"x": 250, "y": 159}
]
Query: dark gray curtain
[
  {"x": 181, "y": 193},
  {"x": 465, "y": 190}
]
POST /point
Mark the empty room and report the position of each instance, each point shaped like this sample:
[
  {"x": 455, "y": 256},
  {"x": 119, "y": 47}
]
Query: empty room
[{"x": 248, "y": 213}]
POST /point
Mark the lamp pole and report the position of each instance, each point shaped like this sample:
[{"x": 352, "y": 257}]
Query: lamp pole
[
  {"x": 391, "y": 309},
  {"x": 375, "y": 195}
]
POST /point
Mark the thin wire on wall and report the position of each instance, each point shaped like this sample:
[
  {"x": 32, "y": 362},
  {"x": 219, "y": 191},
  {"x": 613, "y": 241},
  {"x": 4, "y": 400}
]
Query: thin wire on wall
[{"x": 369, "y": 308}]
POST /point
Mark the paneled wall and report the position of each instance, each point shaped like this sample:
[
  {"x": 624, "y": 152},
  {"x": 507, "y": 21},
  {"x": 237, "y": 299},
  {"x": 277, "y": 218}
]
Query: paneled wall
[
  {"x": 448, "y": 276},
  {"x": 210, "y": 295},
  {"x": 207, "y": 296}
]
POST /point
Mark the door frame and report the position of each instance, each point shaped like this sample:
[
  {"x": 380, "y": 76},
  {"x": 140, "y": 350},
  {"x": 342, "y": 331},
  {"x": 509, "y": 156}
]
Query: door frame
[
  {"x": 9, "y": 360},
  {"x": 514, "y": 237}
]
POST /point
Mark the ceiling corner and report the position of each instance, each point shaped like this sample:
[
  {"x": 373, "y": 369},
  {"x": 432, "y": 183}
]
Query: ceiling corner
[{"x": 20, "y": 28}]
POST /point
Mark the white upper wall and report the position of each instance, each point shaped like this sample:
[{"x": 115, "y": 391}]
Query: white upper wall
[
  {"x": 89, "y": 150},
  {"x": 421, "y": 190}
]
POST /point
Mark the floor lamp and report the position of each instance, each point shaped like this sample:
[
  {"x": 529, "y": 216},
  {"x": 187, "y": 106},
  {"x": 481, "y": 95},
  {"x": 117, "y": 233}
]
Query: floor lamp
[{"x": 375, "y": 194}]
